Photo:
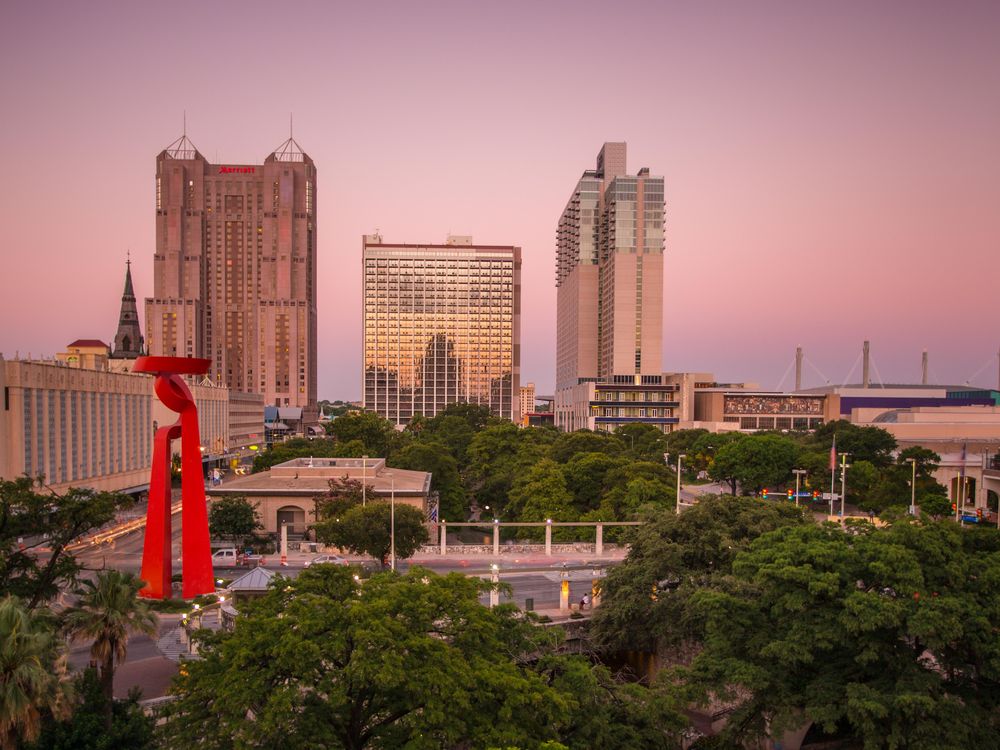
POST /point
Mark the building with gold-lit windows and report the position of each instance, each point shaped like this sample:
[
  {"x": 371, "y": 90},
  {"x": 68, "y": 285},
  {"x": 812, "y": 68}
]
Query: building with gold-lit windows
[{"x": 441, "y": 325}]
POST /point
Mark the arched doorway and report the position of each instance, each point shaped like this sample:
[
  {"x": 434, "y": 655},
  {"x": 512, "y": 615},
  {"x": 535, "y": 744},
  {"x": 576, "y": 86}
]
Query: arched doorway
[{"x": 294, "y": 517}]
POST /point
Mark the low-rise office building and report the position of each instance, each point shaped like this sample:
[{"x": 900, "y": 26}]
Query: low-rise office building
[
  {"x": 607, "y": 406},
  {"x": 764, "y": 410},
  {"x": 287, "y": 493},
  {"x": 967, "y": 438}
]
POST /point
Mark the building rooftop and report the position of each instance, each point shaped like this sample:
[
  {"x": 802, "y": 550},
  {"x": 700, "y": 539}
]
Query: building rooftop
[
  {"x": 257, "y": 579},
  {"x": 89, "y": 343},
  {"x": 312, "y": 476}
]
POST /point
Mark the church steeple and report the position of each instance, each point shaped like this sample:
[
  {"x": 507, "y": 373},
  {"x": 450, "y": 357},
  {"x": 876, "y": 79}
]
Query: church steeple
[{"x": 128, "y": 340}]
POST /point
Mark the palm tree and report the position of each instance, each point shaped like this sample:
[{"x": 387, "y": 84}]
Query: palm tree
[
  {"x": 32, "y": 673},
  {"x": 108, "y": 612}
]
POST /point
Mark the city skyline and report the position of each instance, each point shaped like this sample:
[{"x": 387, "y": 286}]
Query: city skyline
[{"x": 828, "y": 171}]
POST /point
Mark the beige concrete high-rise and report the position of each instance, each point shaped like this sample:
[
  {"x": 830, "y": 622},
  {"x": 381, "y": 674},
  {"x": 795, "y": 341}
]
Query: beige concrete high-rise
[
  {"x": 527, "y": 399},
  {"x": 609, "y": 299},
  {"x": 235, "y": 270},
  {"x": 441, "y": 325}
]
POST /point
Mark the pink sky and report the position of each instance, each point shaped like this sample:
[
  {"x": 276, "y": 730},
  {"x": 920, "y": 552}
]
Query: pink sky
[{"x": 832, "y": 172}]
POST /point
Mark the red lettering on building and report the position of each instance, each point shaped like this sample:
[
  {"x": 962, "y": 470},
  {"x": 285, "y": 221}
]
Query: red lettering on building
[{"x": 237, "y": 170}]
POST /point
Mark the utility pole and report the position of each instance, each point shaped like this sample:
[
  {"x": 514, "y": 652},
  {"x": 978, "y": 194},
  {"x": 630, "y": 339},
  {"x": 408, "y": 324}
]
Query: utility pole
[
  {"x": 913, "y": 484},
  {"x": 392, "y": 526},
  {"x": 679, "y": 457},
  {"x": 844, "y": 466},
  {"x": 364, "y": 480}
]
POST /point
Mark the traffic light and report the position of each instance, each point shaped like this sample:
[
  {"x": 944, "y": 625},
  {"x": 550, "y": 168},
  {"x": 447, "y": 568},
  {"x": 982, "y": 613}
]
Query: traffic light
[
  {"x": 790, "y": 493},
  {"x": 979, "y": 512},
  {"x": 763, "y": 494},
  {"x": 954, "y": 508},
  {"x": 815, "y": 494}
]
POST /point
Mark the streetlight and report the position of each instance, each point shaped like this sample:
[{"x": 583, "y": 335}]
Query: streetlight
[
  {"x": 913, "y": 485},
  {"x": 364, "y": 480},
  {"x": 844, "y": 466},
  {"x": 392, "y": 526},
  {"x": 679, "y": 457},
  {"x": 495, "y": 591},
  {"x": 798, "y": 476}
]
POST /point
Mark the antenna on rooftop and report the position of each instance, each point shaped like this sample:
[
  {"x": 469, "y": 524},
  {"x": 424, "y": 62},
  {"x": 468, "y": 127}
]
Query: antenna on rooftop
[{"x": 184, "y": 126}]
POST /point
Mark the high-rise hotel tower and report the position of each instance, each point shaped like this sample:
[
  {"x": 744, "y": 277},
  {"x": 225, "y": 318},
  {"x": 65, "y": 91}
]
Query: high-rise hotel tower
[
  {"x": 235, "y": 270},
  {"x": 441, "y": 325},
  {"x": 609, "y": 300}
]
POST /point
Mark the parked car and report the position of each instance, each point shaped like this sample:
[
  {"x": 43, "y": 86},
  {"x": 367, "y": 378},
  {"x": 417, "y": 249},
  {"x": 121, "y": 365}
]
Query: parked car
[
  {"x": 327, "y": 560},
  {"x": 231, "y": 557}
]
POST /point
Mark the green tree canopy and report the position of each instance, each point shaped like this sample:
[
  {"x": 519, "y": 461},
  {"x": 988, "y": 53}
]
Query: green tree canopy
[
  {"x": 630, "y": 487},
  {"x": 410, "y": 661},
  {"x": 890, "y": 631},
  {"x": 644, "y": 441},
  {"x": 755, "y": 462},
  {"x": 498, "y": 454},
  {"x": 450, "y": 431},
  {"x": 30, "y": 519},
  {"x": 342, "y": 495},
  {"x": 85, "y": 729},
  {"x": 378, "y": 435},
  {"x": 644, "y": 605},
  {"x": 586, "y": 474},
  {"x": 541, "y": 494},
  {"x": 568, "y": 444},
  {"x": 234, "y": 518},
  {"x": 435, "y": 458},
  {"x": 872, "y": 444},
  {"x": 294, "y": 448},
  {"x": 365, "y": 530},
  {"x": 684, "y": 441},
  {"x": 108, "y": 612},
  {"x": 476, "y": 416},
  {"x": 32, "y": 673}
]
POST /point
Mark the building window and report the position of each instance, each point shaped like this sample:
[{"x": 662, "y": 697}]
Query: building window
[{"x": 29, "y": 466}]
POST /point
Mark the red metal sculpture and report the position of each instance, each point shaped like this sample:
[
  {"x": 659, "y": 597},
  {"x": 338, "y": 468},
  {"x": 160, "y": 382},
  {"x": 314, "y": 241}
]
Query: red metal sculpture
[{"x": 196, "y": 564}]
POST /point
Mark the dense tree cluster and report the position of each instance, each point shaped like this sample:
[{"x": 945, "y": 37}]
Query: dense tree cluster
[
  {"x": 40, "y": 702},
  {"x": 233, "y": 518},
  {"x": 750, "y": 463},
  {"x": 409, "y": 661},
  {"x": 888, "y": 636},
  {"x": 478, "y": 461}
]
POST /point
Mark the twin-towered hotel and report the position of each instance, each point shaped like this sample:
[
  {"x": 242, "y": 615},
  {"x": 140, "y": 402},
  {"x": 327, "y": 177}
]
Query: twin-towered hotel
[{"x": 234, "y": 273}]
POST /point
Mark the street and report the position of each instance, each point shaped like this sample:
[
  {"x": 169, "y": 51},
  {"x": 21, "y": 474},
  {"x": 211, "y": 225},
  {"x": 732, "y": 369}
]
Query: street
[{"x": 536, "y": 577}]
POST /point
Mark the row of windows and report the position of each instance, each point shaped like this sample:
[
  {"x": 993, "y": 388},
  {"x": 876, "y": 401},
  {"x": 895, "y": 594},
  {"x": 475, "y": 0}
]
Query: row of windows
[{"x": 73, "y": 435}]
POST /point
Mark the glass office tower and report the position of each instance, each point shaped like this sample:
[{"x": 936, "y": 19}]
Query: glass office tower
[{"x": 441, "y": 325}]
